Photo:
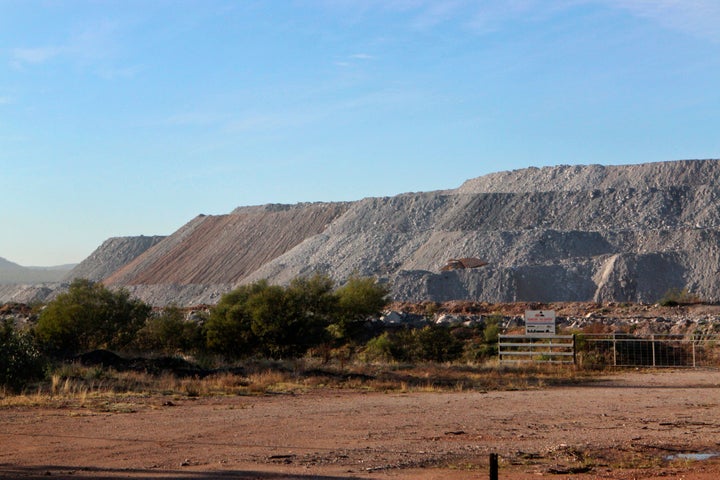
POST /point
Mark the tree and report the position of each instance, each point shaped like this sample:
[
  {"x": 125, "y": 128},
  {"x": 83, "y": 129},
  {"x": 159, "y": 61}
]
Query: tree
[
  {"x": 168, "y": 332},
  {"x": 287, "y": 321},
  {"x": 437, "y": 344},
  {"x": 90, "y": 316},
  {"x": 357, "y": 300},
  {"x": 20, "y": 360},
  {"x": 229, "y": 328},
  {"x": 283, "y": 323}
]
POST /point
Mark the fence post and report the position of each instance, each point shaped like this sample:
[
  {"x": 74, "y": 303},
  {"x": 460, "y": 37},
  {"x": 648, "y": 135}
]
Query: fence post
[
  {"x": 493, "y": 466},
  {"x": 614, "y": 349},
  {"x": 692, "y": 339},
  {"x": 652, "y": 342},
  {"x": 574, "y": 351}
]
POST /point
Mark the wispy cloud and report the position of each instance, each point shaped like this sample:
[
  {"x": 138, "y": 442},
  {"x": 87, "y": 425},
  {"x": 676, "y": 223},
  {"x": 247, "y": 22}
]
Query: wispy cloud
[
  {"x": 694, "y": 17},
  {"x": 354, "y": 60},
  {"x": 36, "y": 55},
  {"x": 92, "y": 47}
]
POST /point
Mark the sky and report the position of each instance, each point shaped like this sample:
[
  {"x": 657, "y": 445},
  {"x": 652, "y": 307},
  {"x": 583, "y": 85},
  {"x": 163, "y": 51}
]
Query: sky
[{"x": 131, "y": 117}]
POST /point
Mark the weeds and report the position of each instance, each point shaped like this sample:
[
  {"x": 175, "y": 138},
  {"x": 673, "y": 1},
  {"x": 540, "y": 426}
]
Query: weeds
[{"x": 96, "y": 388}]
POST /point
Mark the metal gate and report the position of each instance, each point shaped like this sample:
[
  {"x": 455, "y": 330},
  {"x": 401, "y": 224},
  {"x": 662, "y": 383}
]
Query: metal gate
[{"x": 537, "y": 348}]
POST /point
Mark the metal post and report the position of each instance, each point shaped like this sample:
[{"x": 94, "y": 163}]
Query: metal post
[
  {"x": 652, "y": 339},
  {"x": 574, "y": 351},
  {"x": 692, "y": 339},
  {"x": 614, "y": 349},
  {"x": 493, "y": 466}
]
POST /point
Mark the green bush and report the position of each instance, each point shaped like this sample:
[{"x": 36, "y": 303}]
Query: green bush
[
  {"x": 285, "y": 322},
  {"x": 379, "y": 349},
  {"x": 229, "y": 327},
  {"x": 89, "y": 316},
  {"x": 437, "y": 344},
  {"x": 20, "y": 360},
  {"x": 169, "y": 333},
  {"x": 677, "y": 296},
  {"x": 356, "y": 301},
  {"x": 491, "y": 332}
]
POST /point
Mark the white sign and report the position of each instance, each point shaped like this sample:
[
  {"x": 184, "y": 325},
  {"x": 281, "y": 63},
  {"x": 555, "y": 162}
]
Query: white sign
[{"x": 540, "y": 322}]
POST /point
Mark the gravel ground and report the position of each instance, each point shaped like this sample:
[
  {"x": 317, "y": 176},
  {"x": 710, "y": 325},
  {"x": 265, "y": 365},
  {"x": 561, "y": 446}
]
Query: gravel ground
[{"x": 624, "y": 426}]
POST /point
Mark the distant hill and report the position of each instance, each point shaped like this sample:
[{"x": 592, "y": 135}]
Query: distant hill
[{"x": 12, "y": 273}]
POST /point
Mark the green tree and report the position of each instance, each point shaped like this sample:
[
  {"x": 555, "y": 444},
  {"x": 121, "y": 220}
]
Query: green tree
[
  {"x": 287, "y": 321},
  {"x": 401, "y": 346},
  {"x": 229, "y": 327},
  {"x": 90, "y": 316},
  {"x": 315, "y": 294},
  {"x": 357, "y": 300},
  {"x": 437, "y": 344},
  {"x": 283, "y": 322},
  {"x": 168, "y": 332},
  {"x": 20, "y": 360}
]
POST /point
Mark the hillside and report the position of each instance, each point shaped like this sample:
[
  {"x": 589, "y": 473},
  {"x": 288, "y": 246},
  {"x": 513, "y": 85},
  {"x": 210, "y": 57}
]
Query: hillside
[
  {"x": 12, "y": 273},
  {"x": 548, "y": 234},
  {"x": 211, "y": 254},
  {"x": 113, "y": 254},
  {"x": 565, "y": 233}
]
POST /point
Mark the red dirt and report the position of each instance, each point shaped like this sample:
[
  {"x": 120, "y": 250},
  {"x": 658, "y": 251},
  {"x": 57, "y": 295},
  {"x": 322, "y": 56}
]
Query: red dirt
[{"x": 621, "y": 427}]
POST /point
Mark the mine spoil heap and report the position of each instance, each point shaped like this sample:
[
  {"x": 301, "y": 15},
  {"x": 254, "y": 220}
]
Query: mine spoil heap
[{"x": 566, "y": 233}]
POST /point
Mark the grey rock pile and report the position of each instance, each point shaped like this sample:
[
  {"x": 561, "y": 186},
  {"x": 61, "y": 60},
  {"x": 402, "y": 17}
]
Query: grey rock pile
[{"x": 567, "y": 233}]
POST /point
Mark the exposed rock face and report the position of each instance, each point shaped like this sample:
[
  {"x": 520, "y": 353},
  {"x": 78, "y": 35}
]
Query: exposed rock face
[
  {"x": 113, "y": 254},
  {"x": 567, "y": 233},
  {"x": 28, "y": 294},
  {"x": 623, "y": 233}
]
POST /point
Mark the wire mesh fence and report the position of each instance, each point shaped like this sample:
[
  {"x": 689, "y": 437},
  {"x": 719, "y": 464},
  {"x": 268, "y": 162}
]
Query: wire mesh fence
[
  {"x": 613, "y": 350},
  {"x": 626, "y": 350}
]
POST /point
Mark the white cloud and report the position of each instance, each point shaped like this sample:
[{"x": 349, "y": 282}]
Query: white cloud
[
  {"x": 115, "y": 73},
  {"x": 92, "y": 46},
  {"x": 31, "y": 56},
  {"x": 694, "y": 17}
]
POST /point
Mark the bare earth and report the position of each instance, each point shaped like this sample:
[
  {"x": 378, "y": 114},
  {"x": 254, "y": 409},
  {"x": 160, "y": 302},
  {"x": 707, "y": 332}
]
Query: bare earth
[{"x": 623, "y": 426}]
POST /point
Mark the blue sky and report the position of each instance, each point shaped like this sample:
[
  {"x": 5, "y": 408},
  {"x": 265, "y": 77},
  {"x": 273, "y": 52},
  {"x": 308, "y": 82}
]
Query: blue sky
[{"x": 131, "y": 117}]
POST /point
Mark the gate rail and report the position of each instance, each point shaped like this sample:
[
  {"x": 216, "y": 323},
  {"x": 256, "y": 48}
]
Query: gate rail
[{"x": 536, "y": 348}]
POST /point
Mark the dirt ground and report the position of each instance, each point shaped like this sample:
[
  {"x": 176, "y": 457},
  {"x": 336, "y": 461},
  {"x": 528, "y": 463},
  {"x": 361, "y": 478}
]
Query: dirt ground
[{"x": 624, "y": 426}]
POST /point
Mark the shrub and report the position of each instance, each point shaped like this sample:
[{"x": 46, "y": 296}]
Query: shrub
[
  {"x": 168, "y": 332},
  {"x": 492, "y": 329},
  {"x": 676, "y": 296},
  {"x": 437, "y": 344},
  {"x": 89, "y": 316},
  {"x": 20, "y": 360},
  {"x": 359, "y": 299},
  {"x": 229, "y": 327},
  {"x": 379, "y": 349},
  {"x": 287, "y": 321}
]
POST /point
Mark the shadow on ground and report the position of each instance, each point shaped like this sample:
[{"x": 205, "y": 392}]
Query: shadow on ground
[{"x": 67, "y": 472}]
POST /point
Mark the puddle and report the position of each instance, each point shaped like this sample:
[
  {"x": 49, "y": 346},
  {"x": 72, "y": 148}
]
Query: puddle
[{"x": 693, "y": 456}]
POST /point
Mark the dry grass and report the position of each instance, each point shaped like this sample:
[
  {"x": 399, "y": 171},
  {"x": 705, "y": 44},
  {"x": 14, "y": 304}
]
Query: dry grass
[{"x": 108, "y": 390}]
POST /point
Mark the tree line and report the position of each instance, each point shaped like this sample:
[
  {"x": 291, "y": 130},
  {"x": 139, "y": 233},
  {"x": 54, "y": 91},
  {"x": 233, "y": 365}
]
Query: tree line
[{"x": 311, "y": 314}]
